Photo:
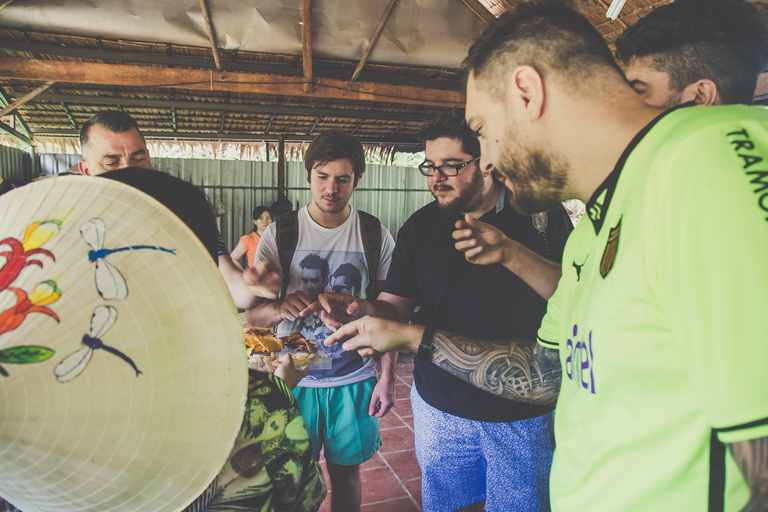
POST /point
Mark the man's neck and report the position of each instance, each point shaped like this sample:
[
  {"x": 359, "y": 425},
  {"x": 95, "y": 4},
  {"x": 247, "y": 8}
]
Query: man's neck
[
  {"x": 328, "y": 220},
  {"x": 491, "y": 195},
  {"x": 596, "y": 141}
]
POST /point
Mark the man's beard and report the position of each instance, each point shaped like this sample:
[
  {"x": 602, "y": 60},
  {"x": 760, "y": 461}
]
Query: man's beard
[
  {"x": 538, "y": 179},
  {"x": 675, "y": 99},
  {"x": 467, "y": 200},
  {"x": 336, "y": 209}
]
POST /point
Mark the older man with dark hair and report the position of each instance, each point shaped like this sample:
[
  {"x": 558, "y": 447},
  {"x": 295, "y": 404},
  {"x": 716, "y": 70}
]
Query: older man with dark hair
[
  {"x": 707, "y": 51},
  {"x": 109, "y": 141}
]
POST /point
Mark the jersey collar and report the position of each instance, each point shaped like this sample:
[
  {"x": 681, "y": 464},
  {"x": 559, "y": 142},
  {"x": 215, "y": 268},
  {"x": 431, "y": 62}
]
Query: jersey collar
[{"x": 597, "y": 206}]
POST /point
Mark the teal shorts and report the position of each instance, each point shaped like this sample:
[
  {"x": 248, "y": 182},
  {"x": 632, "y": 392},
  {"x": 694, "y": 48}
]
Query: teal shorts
[{"x": 338, "y": 422}]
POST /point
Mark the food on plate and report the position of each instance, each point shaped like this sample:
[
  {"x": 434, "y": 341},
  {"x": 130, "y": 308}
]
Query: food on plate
[
  {"x": 298, "y": 342},
  {"x": 262, "y": 340},
  {"x": 264, "y": 349}
]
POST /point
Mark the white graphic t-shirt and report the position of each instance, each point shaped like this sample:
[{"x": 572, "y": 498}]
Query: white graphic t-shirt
[{"x": 328, "y": 260}]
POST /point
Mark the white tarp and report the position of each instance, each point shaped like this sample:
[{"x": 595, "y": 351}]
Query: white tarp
[{"x": 429, "y": 33}]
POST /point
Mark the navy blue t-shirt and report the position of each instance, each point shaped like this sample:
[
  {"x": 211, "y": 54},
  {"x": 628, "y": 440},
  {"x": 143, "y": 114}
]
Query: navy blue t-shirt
[{"x": 472, "y": 300}]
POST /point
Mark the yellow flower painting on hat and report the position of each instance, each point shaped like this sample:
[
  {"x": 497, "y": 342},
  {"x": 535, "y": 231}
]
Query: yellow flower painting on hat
[{"x": 24, "y": 253}]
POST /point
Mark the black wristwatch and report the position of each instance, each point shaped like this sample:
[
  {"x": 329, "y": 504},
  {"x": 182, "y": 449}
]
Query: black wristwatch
[{"x": 425, "y": 349}]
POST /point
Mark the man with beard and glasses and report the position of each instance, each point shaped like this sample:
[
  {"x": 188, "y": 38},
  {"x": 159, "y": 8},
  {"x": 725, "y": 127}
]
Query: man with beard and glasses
[
  {"x": 654, "y": 341},
  {"x": 706, "y": 51},
  {"x": 476, "y": 450}
]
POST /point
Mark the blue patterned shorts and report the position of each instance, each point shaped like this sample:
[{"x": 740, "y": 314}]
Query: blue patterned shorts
[{"x": 464, "y": 461}]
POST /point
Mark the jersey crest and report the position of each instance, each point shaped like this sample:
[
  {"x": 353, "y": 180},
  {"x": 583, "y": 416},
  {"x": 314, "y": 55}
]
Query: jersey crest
[{"x": 611, "y": 248}]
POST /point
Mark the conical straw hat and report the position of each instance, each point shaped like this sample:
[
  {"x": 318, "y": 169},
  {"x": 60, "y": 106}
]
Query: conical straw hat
[{"x": 80, "y": 427}]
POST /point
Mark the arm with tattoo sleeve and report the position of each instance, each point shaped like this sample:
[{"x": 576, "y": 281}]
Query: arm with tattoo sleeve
[
  {"x": 520, "y": 371},
  {"x": 752, "y": 459},
  {"x": 516, "y": 370}
]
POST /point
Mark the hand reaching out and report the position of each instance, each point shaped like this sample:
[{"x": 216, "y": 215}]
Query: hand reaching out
[
  {"x": 373, "y": 336},
  {"x": 263, "y": 279},
  {"x": 293, "y": 304},
  {"x": 482, "y": 243},
  {"x": 337, "y": 309},
  {"x": 288, "y": 372}
]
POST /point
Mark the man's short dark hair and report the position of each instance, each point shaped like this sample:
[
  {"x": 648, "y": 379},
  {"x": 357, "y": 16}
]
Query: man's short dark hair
[
  {"x": 550, "y": 37},
  {"x": 352, "y": 272},
  {"x": 335, "y": 145},
  {"x": 725, "y": 41},
  {"x": 315, "y": 261},
  {"x": 452, "y": 124},
  {"x": 281, "y": 206},
  {"x": 113, "y": 120}
]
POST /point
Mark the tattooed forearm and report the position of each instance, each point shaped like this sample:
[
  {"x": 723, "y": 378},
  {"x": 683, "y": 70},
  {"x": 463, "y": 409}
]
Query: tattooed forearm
[
  {"x": 752, "y": 458},
  {"x": 520, "y": 371}
]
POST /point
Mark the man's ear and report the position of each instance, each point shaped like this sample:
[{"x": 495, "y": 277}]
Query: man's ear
[
  {"x": 703, "y": 92},
  {"x": 83, "y": 168},
  {"x": 357, "y": 179},
  {"x": 527, "y": 86}
]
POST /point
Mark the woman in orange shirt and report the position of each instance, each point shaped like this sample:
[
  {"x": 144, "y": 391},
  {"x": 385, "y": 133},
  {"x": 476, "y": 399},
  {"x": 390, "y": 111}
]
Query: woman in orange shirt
[{"x": 262, "y": 218}]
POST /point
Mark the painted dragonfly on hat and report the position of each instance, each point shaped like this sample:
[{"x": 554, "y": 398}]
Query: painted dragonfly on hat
[
  {"x": 110, "y": 283},
  {"x": 102, "y": 320}
]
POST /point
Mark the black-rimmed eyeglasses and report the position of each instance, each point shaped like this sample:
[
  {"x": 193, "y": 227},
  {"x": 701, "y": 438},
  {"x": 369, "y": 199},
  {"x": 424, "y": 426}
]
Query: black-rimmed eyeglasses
[{"x": 446, "y": 170}]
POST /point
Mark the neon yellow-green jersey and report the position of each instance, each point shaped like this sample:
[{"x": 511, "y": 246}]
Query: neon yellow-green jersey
[{"x": 661, "y": 320}]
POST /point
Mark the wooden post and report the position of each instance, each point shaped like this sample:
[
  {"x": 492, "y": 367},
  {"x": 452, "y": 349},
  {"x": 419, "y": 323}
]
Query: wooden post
[
  {"x": 480, "y": 10},
  {"x": 374, "y": 38},
  {"x": 280, "y": 167},
  {"x": 306, "y": 18},
  {"x": 211, "y": 33}
]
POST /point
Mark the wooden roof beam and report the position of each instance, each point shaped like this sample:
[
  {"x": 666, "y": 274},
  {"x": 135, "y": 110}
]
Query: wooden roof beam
[
  {"x": 211, "y": 33},
  {"x": 314, "y": 125},
  {"x": 21, "y": 101},
  {"x": 69, "y": 115},
  {"x": 374, "y": 38},
  {"x": 229, "y": 107},
  {"x": 173, "y": 60},
  {"x": 7, "y": 129},
  {"x": 269, "y": 124},
  {"x": 6, "y": 100},
  {"x": 306, "y": 44},
  {"x": 359, "y": 123},
  {"x": 254, "y": 83},
  {"x": 393, "y": 132},
  {"x": 480, "y": 11}
]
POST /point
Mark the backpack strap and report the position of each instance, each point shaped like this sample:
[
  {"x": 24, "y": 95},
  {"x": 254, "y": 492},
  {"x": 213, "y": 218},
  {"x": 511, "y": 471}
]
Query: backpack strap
[
  {"x": 286, "y": 236},
  {"x": 370, "y": 232}
]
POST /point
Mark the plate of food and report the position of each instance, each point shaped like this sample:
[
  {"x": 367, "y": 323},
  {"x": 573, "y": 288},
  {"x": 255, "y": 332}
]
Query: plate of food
[{"x": 265, "y": 349}]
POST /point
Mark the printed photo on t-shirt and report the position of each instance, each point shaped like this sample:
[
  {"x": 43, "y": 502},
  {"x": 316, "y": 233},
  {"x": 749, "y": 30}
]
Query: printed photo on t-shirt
[{"x": 315, "y": 272}]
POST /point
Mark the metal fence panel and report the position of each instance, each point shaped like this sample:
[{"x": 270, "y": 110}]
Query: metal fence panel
[
  {"x": 235, "y": 187},
  {"x": 56, "y": 163},
  {"x": 390, "y": 193},
  {"x": 16, "y": 166}
]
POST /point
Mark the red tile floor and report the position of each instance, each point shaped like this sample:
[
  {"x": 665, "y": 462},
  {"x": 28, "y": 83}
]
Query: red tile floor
[{"x": 391, "y": 480}]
